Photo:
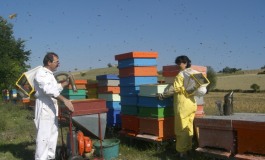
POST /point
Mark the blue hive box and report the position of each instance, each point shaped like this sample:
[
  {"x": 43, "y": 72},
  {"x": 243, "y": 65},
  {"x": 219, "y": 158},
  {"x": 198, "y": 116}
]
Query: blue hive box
[
  {"x": 136, "y": 81},
  {"x": 129, "y": 91},
  {"x": 107, "y": 76},
  {"x": 154, "y": 102},
  {"x": 113, "y": 118},
  {"x": 129, "y": 100},
  {"x": 137, "y": 62},
  {"x": 113, "y": 105}
]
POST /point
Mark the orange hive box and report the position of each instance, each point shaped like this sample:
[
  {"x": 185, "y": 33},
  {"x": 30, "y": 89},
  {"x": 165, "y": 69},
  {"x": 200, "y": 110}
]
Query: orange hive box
[
  {"x": 199, "y": 113},
  {"x": 160, "y": 127},
  {"x": 216, "y": 132},
  {"x": 173, "y": 70},
  {"x": 250, "y": 134},
  {"x": 109, "y": 89},
  {"x": 78, "y": 86},
  {"x": 25, "y": 100},
  {"x": 136, "y": 55},
  {"x": 80, "y": 81},
  {"x": 138, "y": 71},
  {"x": 129, "y": 123}
]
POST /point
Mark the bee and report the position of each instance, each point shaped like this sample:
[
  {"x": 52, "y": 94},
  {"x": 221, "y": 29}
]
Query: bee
[{"x": 11, "y": 16}]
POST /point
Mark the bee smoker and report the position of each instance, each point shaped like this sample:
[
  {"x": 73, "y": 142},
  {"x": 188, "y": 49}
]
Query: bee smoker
[{"x": 228, "y": 104}]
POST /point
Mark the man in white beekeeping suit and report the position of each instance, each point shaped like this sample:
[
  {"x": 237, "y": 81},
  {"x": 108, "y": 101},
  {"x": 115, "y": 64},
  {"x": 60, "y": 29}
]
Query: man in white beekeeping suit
[{"x": 46, "y": 108}]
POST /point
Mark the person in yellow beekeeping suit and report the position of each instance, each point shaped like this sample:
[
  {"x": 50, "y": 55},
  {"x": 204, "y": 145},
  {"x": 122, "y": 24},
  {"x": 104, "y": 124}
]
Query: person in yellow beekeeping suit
[{"x": 184, "y": 106}]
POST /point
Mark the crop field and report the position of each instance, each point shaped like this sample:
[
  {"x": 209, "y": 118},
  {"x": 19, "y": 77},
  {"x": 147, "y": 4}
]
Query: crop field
[
  {"x": 242, "y": 82},
  {"x": 243, "y": 102}
]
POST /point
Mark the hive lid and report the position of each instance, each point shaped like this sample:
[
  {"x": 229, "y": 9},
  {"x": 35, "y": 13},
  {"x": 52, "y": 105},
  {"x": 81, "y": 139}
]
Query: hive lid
[{"x": 136, "y": 54}]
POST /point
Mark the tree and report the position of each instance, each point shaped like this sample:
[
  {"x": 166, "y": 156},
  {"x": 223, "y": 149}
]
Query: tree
[
  {"x": 13, "y": 57},
  {"x": 211, "y": 75},
  {"x": 230, "y": 70},
  {"x": 255, "y": 87},
  {"x": 110, "y": 65}
]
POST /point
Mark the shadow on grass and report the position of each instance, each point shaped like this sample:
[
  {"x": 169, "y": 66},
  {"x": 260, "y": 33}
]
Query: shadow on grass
[{"x": 20, "y": 150}]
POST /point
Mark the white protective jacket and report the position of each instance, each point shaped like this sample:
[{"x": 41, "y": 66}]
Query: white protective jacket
[{"x": 46, "y": 112}]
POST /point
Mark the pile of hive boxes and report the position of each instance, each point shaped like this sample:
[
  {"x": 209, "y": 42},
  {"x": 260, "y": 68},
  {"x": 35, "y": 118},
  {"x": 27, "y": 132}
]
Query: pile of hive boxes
[
  {"x": 108, "y": 89},
  {"x": 81, "y": 90},
  {"x": 92, "y": 90},
  {"x": 143, "y": 115}
]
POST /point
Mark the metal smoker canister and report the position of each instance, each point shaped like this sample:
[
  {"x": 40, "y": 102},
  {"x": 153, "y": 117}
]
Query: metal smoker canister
[{"x": 228, "y": 104}]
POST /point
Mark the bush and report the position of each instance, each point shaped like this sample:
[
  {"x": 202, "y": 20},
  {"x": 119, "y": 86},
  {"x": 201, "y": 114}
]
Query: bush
[
  {"x": 255, "y": 87},
  {"x": 211, "y": 75},
  {"x": 263, "y": 72},
  {"x": 82, "y": 74}
]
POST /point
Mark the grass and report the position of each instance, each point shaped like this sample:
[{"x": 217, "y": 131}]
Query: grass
[{"x": 17, "y": 132}]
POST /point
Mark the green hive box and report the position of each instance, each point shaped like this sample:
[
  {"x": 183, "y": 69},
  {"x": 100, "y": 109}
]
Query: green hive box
[
  {"x": 155, "y": 112},
  {"x": 80, "y": 94},
  {"x": 129, "y": 109}
]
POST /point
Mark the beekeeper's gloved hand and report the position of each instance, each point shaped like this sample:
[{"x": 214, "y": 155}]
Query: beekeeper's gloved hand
[
  {"x": 191, "y": 91},
  {"x": 160, "y": 96}
]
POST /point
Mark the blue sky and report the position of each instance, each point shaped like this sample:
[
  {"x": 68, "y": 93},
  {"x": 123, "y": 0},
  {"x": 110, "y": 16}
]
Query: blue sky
[{"x": 89, "y": 33}]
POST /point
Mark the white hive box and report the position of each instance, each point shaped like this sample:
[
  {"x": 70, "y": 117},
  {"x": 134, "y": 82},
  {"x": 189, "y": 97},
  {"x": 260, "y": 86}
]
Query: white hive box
[
  {"x": 150, "y": 90},
  {"x": 110, "y": 97},
  {"x": 106, "y": 82},
  {"x": 169, "y": 79}
]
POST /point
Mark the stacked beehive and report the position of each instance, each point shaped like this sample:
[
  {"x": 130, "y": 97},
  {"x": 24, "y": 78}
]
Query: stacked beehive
[
  {"x": 170, "y": 72},
  {"x": 92, "y": 90},
  {"x": 81, "y": 90},
  {"x": 156, "y": 117},
  {"x": 135, "y": 69},
  {"x": 108, "y": 89}
]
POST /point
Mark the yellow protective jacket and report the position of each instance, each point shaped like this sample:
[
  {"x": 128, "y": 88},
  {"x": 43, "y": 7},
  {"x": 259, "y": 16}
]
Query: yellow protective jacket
[
  {"x": 184, "y": 108},
  {"x": 184, "y": 103}
]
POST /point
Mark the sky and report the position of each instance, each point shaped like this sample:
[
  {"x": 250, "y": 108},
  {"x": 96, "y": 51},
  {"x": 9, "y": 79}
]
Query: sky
[{"x": 87, "y": 34}]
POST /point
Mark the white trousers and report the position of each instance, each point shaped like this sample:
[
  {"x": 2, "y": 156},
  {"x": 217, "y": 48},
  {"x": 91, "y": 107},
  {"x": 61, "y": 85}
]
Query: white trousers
[{"x": 47, "y": 135}]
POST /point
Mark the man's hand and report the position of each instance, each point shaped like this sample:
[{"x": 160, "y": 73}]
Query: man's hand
[
  {"x": 69, "y": 105},
  {"x": 65, "y": 83}
]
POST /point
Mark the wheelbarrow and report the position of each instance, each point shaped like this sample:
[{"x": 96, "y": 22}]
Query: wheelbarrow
[{"x": 89, "y": 117}]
